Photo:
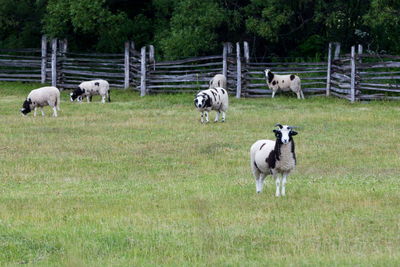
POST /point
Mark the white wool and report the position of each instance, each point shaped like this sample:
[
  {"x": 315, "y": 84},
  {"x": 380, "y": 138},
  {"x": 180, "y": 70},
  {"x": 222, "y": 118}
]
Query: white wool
[
  {"x": 284, "y": 83},
  {"x": 218, "y": 80},
  {"x": 218, "y": 99},
  {"x": 91, "y": 89},
  {"x": 45, "y": 96}
]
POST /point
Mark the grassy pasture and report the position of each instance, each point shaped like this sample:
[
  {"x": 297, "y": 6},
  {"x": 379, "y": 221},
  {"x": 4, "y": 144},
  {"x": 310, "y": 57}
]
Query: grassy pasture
[{"x": 140, "y": 182}]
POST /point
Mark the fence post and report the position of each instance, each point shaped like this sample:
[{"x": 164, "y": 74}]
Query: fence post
[
  {"x": 151, "y": 56},
  {"x": 360, "y": 51},
  {"x": 225, "y": 60},
  {"x": 246, "y": 51},
  {"x": 126, "y": 66},
  {"x": 44, "y": 59},
  {"x": 239, "y": 72},
  {"x": 54, "y": 62},
  {"x": 63, "y": 50},
  {"x": 337, "y": 51},
  {"x": 353, "y": 75},
  {"x": 143, "y": 72},
  {"x": 328, "y": 74}
]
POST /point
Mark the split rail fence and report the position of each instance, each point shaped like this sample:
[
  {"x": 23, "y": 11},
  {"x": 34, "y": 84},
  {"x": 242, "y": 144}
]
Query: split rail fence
[{"x": 353, "y": 76}]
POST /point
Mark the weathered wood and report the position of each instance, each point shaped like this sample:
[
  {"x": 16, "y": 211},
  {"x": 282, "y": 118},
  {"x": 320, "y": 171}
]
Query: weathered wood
[
  {"x": 353, "y": 75},
  {"x": 380, "y": 89},
  {"x": 395, "y": 86},
  {"x": 44, "y": 59},
  {"x": 387, "y": 64},
  {"x": 177, "y": 86},
  {"x": 209, "y": 64},
  {"x": 18, "y": 80},
  {"x": 97, "y": 55},
  {"x": 143, "y": 72},
  {"x": 287, "y": 63},
  {"x": 359, "y": 53},
  {"x": 224, "y": 60},
  {"x": 188, "y": 60},
  {"x": 337, "y": 51},
  {"x": 239, "y": 72},
  {"x": 94, "y": 74},
  {"x": 246, "y": 52},
  {"x": 328, "y": 70},
  {"x": 126, "y": 66},
  {"x": 211, "y": 71},
  {"x": 54, "y": 62}
]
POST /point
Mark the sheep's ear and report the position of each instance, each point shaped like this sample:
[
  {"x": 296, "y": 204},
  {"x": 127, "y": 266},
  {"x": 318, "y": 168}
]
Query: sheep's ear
[
  {"x": 293, "y": 133},
  {"x": 275, "y": 131},
  {"x": 29, "y": 101}
]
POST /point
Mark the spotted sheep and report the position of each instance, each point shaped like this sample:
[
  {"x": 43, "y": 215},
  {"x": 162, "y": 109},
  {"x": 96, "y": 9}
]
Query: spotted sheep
[
  {"x": 283, "y": 82},
  {"x": 44, "y": 96},
  {"x": 90, "y": 88},
  {"x": 212, "y": 99},
  {"x": 274, "y": 157},
  {"x": 218, "y": 80}
]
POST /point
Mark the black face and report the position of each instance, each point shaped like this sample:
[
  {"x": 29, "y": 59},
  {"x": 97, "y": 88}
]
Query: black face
[
  {"x": 77, "y": 92},
  {"x": 199, "y": 102},
  {"x": 270, "y": 76},
  {"x": 26, "y": 106}
]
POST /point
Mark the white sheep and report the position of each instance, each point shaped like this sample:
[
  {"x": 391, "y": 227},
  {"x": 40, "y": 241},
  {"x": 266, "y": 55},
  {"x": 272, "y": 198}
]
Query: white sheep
[
  {"x": 274, "y": 157},
  {"x": 90, "y": 88},
  {"x": 44, "y": 96},
  {"x": 218, "y": 80},
  {"x": 212, "y": 99},
  {"x": 284, "y": 83}
]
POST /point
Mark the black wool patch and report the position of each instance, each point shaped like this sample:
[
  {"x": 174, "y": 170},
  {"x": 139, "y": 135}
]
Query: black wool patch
[
  {"x": 270, "y": 77},
  {"x": 97, "y": 84},
  {"x": 292, "y": 77}
]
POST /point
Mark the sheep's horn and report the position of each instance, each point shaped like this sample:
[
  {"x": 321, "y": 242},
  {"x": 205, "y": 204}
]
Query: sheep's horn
[
  {"x": 279, "y": 125},
  {"x": 293, "y": 127}
]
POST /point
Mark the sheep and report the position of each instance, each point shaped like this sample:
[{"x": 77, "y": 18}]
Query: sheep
[
  {"x": 218, "y": 80},
  {"x": 212, "y": 99},
  {"x": 283, "y": 82},
  {"x": 274, "y": 157},
  {"x": 44, "y": 96},
  {"x": 90, "y": 88}
]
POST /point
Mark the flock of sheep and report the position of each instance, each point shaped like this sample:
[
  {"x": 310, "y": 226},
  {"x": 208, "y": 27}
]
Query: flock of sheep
[{"x": 267, "y": 157}]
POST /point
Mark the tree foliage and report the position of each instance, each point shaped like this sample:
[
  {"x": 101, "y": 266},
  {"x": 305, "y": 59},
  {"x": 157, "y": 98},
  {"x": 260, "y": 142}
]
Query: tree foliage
[{"x": 181, "y": 28}]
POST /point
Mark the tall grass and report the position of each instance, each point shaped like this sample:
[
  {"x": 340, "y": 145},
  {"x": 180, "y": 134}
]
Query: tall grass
[{"x": 140, "y": 181}]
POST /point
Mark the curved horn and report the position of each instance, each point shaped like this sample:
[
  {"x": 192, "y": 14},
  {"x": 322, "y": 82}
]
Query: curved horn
[
  {"x": 279, "y": 125},
  {"x": 293, "y": 127}
]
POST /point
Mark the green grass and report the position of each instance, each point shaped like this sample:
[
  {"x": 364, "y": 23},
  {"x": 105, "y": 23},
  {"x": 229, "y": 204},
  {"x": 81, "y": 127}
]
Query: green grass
[{"x": 141, "y": 182}]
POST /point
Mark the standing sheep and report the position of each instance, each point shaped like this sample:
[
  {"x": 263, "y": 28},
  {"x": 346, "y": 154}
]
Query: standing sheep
[
  {"x": 218, "y": 80},
  {"x": 44, "y": 96},
  {"x": 274, "y": 157},
  {"x": 90, "y": 88},
  {"x": 283, "y": 82},
  {"x": 212, "y": 99}
]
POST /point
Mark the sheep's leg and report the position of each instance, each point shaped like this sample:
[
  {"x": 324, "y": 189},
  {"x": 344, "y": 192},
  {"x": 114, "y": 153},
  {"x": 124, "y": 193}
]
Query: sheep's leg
[
  {"x": 54, "y": 112},
  {"x": 260, "y": 182},
  {"x": 298, "y": 95},
  {"x": 223, "y": 116},
  {"x": 301, "y": 93},
  {"x": 41, "y": 109},
  {"x": 277, "y": 183},
  {"x": 202, "y": 115},
  {"x": 217, "y": 116},
  {"x": 285, "y": 175},
  {"x": 88, "y": 98},
  {"x": 103, "y": 99},
  {"x": 206, "y": 115},
  {"x": 34, "y": 112},
  {"x": 273, "y": 93}
]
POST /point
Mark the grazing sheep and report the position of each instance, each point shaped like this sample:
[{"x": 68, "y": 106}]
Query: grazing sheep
[
  {"x": 218, "y": 80},
  {"x": 274, "y": 157},
  {"x": 284, "y": 83},
  {"x": 212, "y": 99},
  {"x": 44, "y": 96},
  {"x": 90, "y": 88}
]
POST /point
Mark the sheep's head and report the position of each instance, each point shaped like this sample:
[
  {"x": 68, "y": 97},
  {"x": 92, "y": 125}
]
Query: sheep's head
[
  {"x": 284, "y": 133},
  {"x": 202, "y": 101},
  {"x": 269, "y": 75},
  {"x": 26, "y": 107},
  {"x": 76, "y": 93}
]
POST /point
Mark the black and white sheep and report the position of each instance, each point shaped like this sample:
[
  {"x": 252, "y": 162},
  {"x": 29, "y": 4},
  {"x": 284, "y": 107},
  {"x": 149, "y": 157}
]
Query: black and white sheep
[
  {"x": 90, "y": 88},
  {"x": 283, "y": 82},
  {"x": 212, "y": 99},
  {"x": 218, "y": 80},
  {"x": 44, "y": 96},
  {"x": 274, "y": 157}
]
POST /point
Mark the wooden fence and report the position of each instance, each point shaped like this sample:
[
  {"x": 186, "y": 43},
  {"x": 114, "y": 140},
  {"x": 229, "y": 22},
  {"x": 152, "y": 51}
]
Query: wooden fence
[
  {"x": 353, "y": 76},
  {"x": 360, "y": 76}
]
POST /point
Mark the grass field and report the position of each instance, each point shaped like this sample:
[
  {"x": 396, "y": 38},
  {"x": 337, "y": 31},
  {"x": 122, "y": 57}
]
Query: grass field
[{"x": 141, "y": 182}]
